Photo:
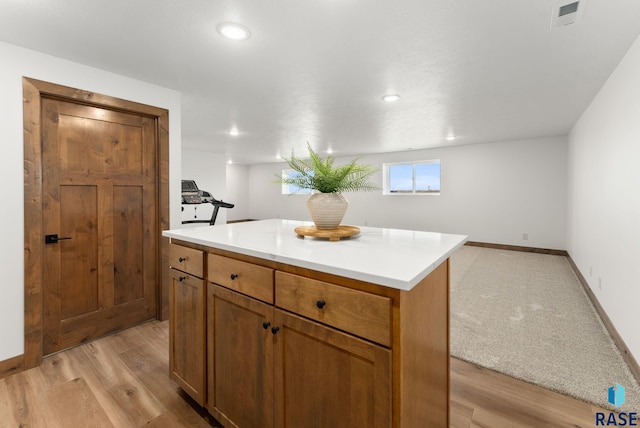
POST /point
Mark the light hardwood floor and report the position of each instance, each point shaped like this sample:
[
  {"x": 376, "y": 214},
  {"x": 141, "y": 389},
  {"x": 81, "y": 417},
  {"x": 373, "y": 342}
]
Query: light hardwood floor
[{"x": 122, "y": 381}]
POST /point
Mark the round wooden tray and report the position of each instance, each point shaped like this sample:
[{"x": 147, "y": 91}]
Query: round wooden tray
[{"x": 332, "y": 234}]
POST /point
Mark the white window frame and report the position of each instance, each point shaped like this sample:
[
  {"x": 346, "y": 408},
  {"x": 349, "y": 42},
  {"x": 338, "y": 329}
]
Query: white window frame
[
  {"x": 386, "y": 177},
  {"x": 285, "y": 187}
]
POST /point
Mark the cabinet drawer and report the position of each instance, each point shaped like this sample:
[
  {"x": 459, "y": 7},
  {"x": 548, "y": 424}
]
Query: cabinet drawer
[
  {"x": 186, "y": 259},
  {"x": 246, "y": 278},
  {"x": 363, "y": 314}
]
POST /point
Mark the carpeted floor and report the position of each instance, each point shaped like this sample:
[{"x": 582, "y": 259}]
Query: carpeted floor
[{"x": 526, "y": 315}]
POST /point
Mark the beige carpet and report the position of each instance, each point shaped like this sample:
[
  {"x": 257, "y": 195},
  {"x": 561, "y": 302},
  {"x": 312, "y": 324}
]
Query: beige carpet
[{"x": 526, "y": 315}]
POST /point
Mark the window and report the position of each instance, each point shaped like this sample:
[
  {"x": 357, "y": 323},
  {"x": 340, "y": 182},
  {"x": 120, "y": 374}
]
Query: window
[
  {"x": 292, "y": 189},
  {"x": 412, "y": 178}
]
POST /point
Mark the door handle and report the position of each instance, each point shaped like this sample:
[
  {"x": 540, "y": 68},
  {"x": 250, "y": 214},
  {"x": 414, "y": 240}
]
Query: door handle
[{"x": 52, "y": 239}]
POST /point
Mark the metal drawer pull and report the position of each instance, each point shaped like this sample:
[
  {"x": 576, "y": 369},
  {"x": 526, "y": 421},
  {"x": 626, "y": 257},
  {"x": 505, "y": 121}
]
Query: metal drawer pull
[
  {"x": 320, "y": 304},
  {"x": 274, "y": 330},
  {"x": 182, "y": 259},
  {"x": 266, "y": 325},
  {"x": 182, "y": 278},
  {"x": 233, "y": 276}
]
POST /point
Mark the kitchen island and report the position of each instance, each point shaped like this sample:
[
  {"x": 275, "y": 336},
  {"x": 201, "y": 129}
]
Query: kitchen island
[{"x": 270, "y": 330}]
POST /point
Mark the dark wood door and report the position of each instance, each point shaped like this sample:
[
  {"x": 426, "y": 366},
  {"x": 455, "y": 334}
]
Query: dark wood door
[{"x": 99, "y": 190}]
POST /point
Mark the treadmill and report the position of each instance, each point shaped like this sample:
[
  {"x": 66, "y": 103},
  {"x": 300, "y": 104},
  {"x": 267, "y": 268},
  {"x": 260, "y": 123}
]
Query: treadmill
[{"x": 191, "y": 195}]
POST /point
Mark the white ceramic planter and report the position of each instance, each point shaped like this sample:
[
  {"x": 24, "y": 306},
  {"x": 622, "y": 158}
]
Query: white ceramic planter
[{"x": 327, "y": 209}]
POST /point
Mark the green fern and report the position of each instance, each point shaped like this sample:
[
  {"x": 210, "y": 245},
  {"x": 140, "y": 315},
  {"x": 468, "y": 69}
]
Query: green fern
[{"x": 319, "y": 174}]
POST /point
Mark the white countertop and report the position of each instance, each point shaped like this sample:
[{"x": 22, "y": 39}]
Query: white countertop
[{"x": 391, "y": 257}]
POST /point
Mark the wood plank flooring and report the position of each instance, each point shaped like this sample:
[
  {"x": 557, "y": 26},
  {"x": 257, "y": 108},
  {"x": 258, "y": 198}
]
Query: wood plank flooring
[
  {"x": 122, "y": 381},
  {"x": 483, "y": 398}
]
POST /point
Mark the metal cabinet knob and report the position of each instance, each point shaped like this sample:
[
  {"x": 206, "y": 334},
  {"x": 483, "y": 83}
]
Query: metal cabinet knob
[
  {"x": 233, "y": 276},
  {"x": 320, "y": 304}
]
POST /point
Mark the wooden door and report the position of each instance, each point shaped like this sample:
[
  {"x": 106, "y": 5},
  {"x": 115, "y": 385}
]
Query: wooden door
[
  {"x": 240, "y": 358},
  {"x": 187, "y": 337},
  {"x": 99, "y": 191},
  {"x": 326, "y": 378}
]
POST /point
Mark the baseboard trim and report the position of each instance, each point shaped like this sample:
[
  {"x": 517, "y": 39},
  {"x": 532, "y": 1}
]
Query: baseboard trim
[
  {"x": 11, "y": 366},
  {"x": 518, "y": 248},
  {"x": 617, "y": 339},
  {"x": 241, "y": 220}
]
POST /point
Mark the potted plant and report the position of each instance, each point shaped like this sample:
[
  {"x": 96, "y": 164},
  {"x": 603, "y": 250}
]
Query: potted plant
[{"x": 327, "y": 206}]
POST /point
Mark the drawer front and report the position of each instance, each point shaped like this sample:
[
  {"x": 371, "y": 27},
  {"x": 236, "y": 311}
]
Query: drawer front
[
  {"x": 186, "y": 259},
  {"x": 253, "y": 280},
  {"x": 363, "y": 314}
]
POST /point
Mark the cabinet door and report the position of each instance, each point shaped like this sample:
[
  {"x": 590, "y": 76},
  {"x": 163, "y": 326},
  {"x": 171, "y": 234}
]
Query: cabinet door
[
  {"x": 326, "y": 378},
  {"x": 187, "y": 355},
  {"x": 240, "y": 359}
]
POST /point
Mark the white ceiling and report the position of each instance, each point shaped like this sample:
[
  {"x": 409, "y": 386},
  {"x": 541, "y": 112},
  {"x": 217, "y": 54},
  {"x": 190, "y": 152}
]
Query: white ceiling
[{"x": 315, "y": 70}]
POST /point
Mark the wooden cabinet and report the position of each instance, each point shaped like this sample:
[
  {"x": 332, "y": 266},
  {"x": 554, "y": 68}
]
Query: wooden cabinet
[
  {"x": 187, "y": 334},
  {"x": 240, "y": 359},
  {"x": 269, "y": 368},
  {"x": 326, "y": 378},
  {"x": 289, "y": 347}
]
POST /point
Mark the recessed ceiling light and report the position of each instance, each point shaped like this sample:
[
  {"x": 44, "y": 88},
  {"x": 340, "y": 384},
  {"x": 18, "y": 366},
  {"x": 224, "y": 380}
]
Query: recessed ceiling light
[
  {"x": 229, "y": 161},
  {"x": 234, "y": 132},
  {"x": 329, "y": 150},
  {"x": 450, "y": 137},
  {"x": 233, "y": 31},
  {"x": 391, "y": 98}
]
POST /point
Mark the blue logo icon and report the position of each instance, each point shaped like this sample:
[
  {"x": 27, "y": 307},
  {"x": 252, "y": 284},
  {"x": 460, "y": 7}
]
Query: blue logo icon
[{"x": 616, "y": 395}]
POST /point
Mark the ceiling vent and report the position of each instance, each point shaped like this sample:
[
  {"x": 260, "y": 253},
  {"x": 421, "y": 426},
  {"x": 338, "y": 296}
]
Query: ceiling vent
[{"x": 567, "y": 13}]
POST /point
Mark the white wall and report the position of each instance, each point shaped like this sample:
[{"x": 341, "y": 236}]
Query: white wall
[
  {"x": 492, "y": 192},
  {"x": 238, "y": 191},
  {"x": 209, "y": 170},
  {"x": 16, "y": 63},
  {"x": 604, "y": 197}
]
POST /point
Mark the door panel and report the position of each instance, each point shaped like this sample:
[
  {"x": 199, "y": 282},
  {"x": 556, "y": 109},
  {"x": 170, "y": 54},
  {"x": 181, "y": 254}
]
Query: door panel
[
  {"x": 79, "y": 269},
  {"x": 99, "y": 189},
  {"x": 128, "y": 237},
  {"x": 97, "y": 146}
]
